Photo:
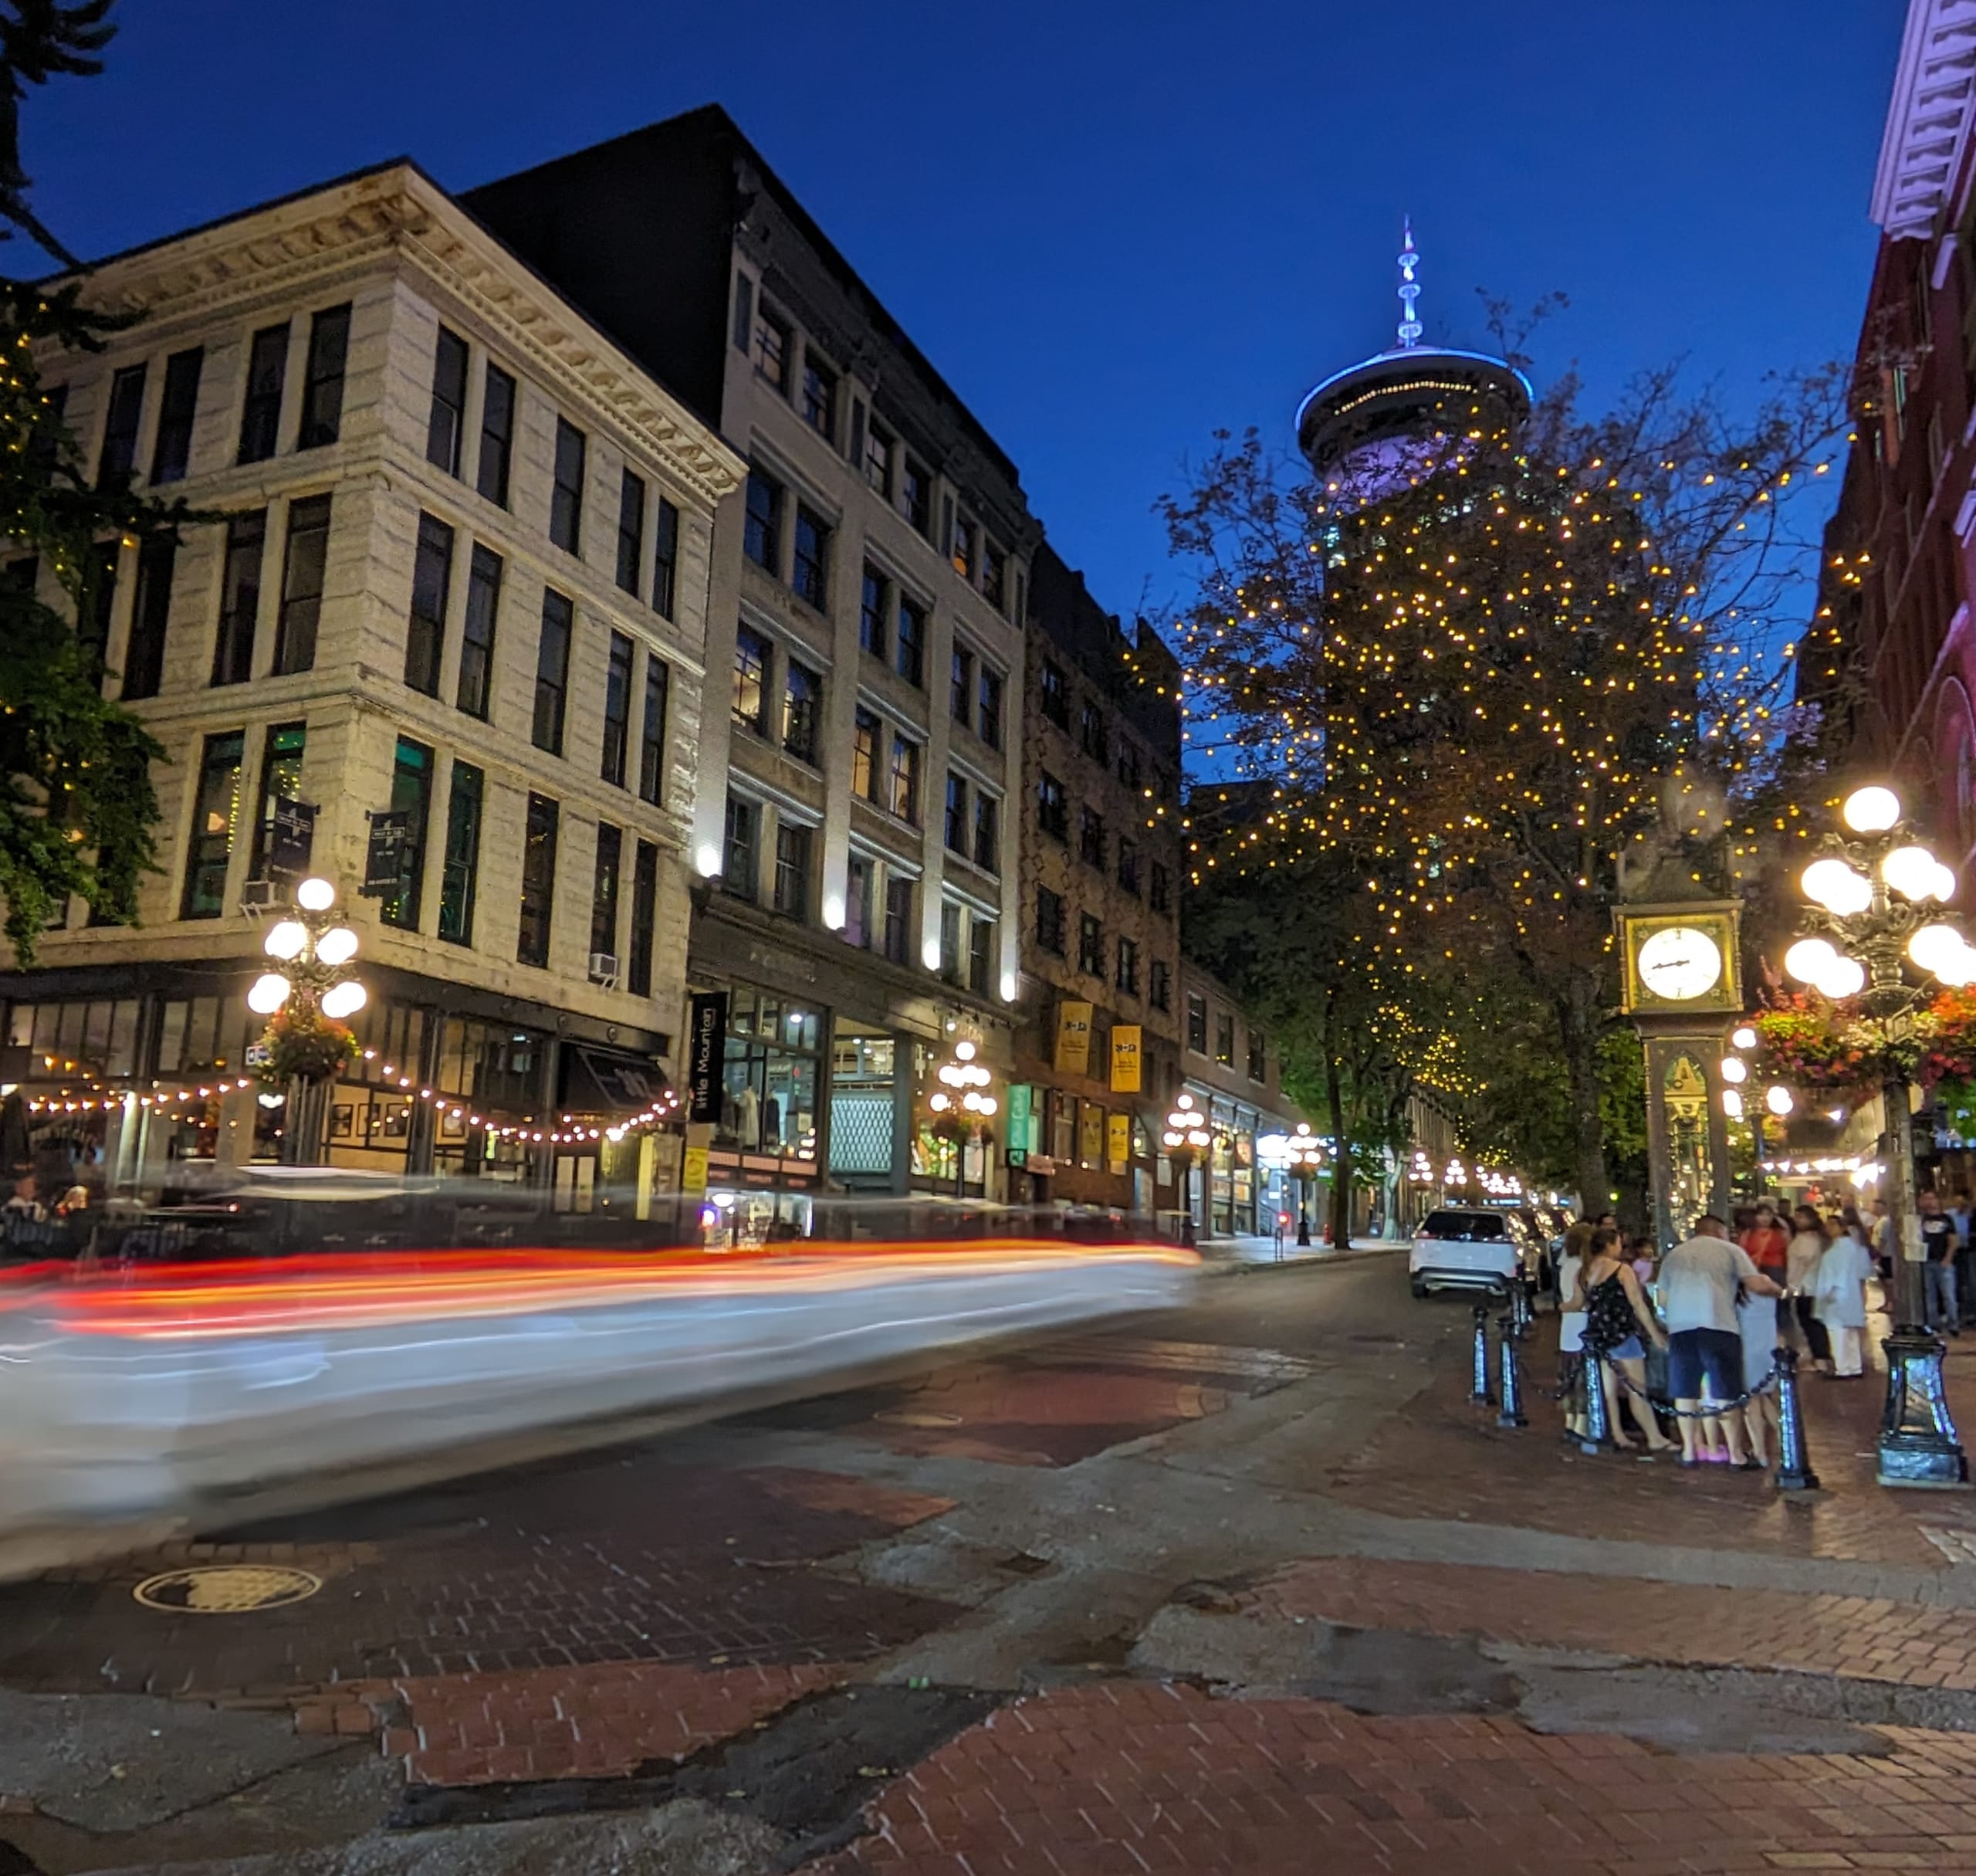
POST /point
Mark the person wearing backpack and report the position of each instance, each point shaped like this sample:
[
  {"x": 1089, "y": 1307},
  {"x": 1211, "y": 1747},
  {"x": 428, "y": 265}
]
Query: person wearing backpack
[{"x": 1620, "y": 1322}]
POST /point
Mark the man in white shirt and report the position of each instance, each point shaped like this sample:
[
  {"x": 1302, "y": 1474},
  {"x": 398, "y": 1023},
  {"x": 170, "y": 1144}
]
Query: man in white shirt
[{"x": 1698, "y": 1287}]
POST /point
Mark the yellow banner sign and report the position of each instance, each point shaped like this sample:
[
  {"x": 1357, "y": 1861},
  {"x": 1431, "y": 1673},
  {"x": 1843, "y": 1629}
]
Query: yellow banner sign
[
  {"x": 1074, "y": 1038},
  {"x": 1090, "y": 1133},
  {"x": 693, "y": 1170},
  {"x": 1126, "y": 1062},
  {"x": 1118, "y": 1141}
]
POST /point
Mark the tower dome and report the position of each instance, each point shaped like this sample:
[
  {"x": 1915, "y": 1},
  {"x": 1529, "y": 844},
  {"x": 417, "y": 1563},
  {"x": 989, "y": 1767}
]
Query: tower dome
[{"x": 1364, "y": 424}]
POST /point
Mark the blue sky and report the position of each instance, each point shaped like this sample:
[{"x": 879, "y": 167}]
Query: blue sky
[{"x": 1113, "y": 227}]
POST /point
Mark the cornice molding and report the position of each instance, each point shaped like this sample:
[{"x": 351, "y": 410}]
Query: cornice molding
[
  {"x": 398, "y": 211},
  {"x": 1928, "y": 117}
]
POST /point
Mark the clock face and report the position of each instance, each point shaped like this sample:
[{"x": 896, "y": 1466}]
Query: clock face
[{"x": 1679, "y": 963}]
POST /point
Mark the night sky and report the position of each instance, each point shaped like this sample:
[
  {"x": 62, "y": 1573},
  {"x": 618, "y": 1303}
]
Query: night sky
[{"x": 1114, "y": 228}]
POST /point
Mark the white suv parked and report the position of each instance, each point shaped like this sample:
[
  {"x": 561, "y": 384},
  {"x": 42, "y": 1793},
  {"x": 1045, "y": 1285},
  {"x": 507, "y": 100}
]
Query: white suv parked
[{"x": 1464, "y": 1248}]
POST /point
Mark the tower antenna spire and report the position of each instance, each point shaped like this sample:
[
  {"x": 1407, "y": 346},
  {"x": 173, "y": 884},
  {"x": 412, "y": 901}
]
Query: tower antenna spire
[{"x": 1409, "y": 292}]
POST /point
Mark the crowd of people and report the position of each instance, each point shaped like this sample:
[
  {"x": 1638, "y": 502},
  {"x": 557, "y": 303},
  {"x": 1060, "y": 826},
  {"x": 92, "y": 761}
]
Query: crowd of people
[{"x": 1699, "y": 1327}]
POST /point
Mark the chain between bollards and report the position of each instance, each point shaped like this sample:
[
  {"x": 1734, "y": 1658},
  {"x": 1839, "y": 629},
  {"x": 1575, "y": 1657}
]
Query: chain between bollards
[{"x": 1482, "y": 1393}]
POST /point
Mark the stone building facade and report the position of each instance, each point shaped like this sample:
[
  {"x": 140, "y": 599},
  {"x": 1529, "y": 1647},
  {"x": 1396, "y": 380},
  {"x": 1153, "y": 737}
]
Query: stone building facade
[{"x": 461, "y": 582}]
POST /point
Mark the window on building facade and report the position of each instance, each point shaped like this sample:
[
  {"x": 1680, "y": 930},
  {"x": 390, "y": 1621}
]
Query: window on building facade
[
  {"x": 980, "y": 954},
  {"x": 150, "y": 613},
  {"x": 1128, "y": 764},
  {"x": 304, "y": 565},
  {"x": 171, "y": 452},
  {"x": 665, "y": 560},
  {"x": 752, "y": 657},
  {"x": 899, "y": 896},
  {"x": 459, "y": 875},
  {"x": 953, "y": 917},
  {"x": 1090, "y": 838},
  {"x": 538, "y": 903},
  {"x": 566, "y": 494},
  {"x": 118, "y": 463},
  {"x": 431, "y": 585},
  {"x": 1126, "y": 976},
  {"x": 809, "y": 573},
  {"x": 1160, "y": 984},
  {"x": 802, "y": 712},
  {"x": 282, "y": 751},
  {"x": 1053, "y": 810},
  {"x": 873, "y": 601},
  {"x": 866, "y": 741},
  {"x": 879, "y": 458},
  {"x": 988, "y": 723},
  {"x": 1258, "y": 1055},
  {"x": 987, "y": 832},
  {"x": 473, "y": 693},
  {"x": 1090, "y": 944},
  {"x": 771, "y": 346},
  {"x": 902, "y": 783},
  {"x": 1128, "y": 866},
  {"x": 1161, "y": 896},
  {"x": 411, "y": 795},
  {"x": 260, "y": 414},
  {"x": 552, "y": 672},
  {"x": 497, "y": 436},
  {"x": 1049, "y": 921},
  {"x": 910, "y": 661},
  {"x": 322, "y": 389},
  {"x": 793, "y": 844},
  {"x": 963, "y": 552},
  {"x": 445, "y": 426},
  {"x": 215, "y": 810},
  {"x": 741, "y": 848},
  {"x": 99, "y": 597},
  {"x": 1053, "y": 695},
  {"x": 960, "y": 687},
  {"x": 761, "y": 534},
  {"x": 1091, "y": 731},
  {"x": 1197, "y": 1024},
  {"x": 858, "y": 902},
  {"x": 1224, "y": 1038},
  {"x": 645, "y": 920},
  {"x": 651, "y": 745},
  {"x": 915, "y": 495},
  {"x": 239, "y": 598},
  {"x": 616, "y": 709},
  {"x": 604, "y": 887},
  {"x": 630, "y": 529},
  {"x": 819, "y": 400},
  {"x": 956, "y": 817}
]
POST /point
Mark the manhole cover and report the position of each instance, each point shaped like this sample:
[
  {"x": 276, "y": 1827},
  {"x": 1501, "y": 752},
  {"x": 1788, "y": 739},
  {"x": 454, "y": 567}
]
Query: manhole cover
[
  {"x": 226, "y": 1589},
  {"x": 916, "y": 1417}
]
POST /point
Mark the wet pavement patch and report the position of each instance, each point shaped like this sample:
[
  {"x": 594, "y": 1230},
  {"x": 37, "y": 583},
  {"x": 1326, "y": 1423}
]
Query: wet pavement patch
[{"x": 807, "y": 1773}]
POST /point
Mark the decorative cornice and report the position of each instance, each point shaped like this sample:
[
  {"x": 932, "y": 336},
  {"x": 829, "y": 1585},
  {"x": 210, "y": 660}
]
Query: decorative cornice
[
  {"x": 1928, "y": 118},
  {"x": 399, "y": 212}
]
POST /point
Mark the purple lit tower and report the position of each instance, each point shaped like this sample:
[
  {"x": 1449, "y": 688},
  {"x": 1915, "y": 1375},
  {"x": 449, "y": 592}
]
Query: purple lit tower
[{"x": 1384, "y": 419}]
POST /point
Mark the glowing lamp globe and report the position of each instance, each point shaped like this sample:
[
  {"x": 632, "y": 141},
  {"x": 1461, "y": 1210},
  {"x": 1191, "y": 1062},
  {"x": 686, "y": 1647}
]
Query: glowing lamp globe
[
  {"x": 1934, "y": 946},
  {"x": 286, "y": 940},
  {"x": 939, "y": 1103},
  {"x": 342, "y": 1000},
  {"x": 1846, "y": 976},
  {"x": 268, "y": 993},
  {"x": 1871, "y": 811},
  {"x": 1911, "y": 872},
  {"x": 1744, "y": 1038},
  {"x": 1809, "y": 958},
  {"x": 337, "y": 947},
  {"x": 1778, "y": 1100},
  {"x": 1960, "y": 971},
  {"x": 315, "y": 895},
  {"x": 1734, "y": 1069},
  {"x": 963, "y": 1052},
  {"x": 1945, "y": 883},
  {"x": 1832, "y": 884},
  {"x": 1732, "y": 1103}
]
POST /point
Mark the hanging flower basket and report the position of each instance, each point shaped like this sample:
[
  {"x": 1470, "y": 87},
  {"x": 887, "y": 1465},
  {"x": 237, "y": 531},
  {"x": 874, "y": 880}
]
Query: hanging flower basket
[
  {"x": 1815, "y": 1044},
  {"x": 1950, "y": 1052},
  {"x": 305, "y": 1044}
]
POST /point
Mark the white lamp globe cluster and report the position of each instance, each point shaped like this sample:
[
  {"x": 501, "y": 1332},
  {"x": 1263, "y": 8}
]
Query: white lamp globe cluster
[
  {"x": 293, "y": 941},
  {"x": 1186, "y": 1127},
  {"x": 968, "y": 1081},
  {"x": 1735, "y": 1073}
]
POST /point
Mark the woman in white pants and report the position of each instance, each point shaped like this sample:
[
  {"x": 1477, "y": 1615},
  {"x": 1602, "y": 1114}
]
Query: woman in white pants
[{"x": 1839, "y": 1286}]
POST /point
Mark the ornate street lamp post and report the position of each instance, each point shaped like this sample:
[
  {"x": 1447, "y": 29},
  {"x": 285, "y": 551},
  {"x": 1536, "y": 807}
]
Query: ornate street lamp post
[
  {"x": 1870, "y": 890},
  {"x": 962, "y": 1106},
  {"x": 1186, "y": 1137},
  {"x": 1303, "y": 1153},
  {"x": 306, "y": 1002}
]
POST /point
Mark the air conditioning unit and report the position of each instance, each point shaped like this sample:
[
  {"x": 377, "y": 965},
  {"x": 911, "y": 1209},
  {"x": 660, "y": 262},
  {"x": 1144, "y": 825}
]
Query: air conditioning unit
[
  {"x": 604, "y": 969},
  {"x": 258, "y": 896}
]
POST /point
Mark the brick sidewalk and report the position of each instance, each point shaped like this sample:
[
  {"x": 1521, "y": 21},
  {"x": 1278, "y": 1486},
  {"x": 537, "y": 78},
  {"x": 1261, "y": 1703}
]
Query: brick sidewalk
[{"x": 1139, "y": 1779}]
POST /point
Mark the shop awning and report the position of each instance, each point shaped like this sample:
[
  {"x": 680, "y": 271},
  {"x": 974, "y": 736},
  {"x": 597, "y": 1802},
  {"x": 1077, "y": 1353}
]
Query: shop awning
[{"x": 597, "y": 1080}]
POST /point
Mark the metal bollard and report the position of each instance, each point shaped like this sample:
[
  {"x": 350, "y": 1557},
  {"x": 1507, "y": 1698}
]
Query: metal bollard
[
  {"x": 1598, "y": 1432},
  {"x": 1794, "y": 1465},
  {"x": 1521, "y": 1309},
  {"x": 1512, "y": 1414},
  {"x": 1483, "y": 1394}
]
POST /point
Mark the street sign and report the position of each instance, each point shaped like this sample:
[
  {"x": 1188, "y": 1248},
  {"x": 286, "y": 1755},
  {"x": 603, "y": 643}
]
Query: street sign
[
  {"x": 292, "y": 836},
  {"x": 390, "y": 850}
]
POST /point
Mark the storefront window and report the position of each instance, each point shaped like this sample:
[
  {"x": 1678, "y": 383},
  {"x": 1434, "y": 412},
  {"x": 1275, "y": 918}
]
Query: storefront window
[
  {"x": 863, "y": 1100},
  {"x": 101, "y": 1037},
  {"x": 769, "y": 1075}
]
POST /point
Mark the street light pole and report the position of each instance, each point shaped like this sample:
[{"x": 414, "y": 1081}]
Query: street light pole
[
  {"x": 1185, "y": 1136},
  {"x": 314, "y": 987}
]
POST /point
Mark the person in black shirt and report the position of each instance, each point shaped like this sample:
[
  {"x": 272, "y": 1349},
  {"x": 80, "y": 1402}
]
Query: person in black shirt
[{"x": 1938, "y": 1248}]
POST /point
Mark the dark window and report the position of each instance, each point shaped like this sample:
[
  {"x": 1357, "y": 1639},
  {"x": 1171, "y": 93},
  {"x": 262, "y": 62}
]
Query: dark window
[
  {"x": 810, "y": 573},
  {"x": 497, "y": 436},
  {"x": 1128, "y": 764},
  {"x": 1053, "y": 811},
  {"x": 260, "y": 415},
  {"x": 239, "y": 598},
  {"x": 119, "y": 461},
  {"x": 963, "y": 550},
  {"x": 282, "y": 751},
  {"x": 911, "y": 661},
  {"x": 651, "y": 747},
  {"x": 871, "y": 634},
  {"x": 644, "y": 919},
  {"x": 616, "y": 708},
  {"x": 411, "y": 795},
  {"x": 819, "y": 394},
  {"x": 761, "y": 534},
  {"x": 744, "y": 312},
  {"x": 752, "y": 659},
  {"x": 1091, "y": 731},
  {"x": 209, "y": 844},
  {"x": 916, "y": 494},
  {"x": 1127, "y": 976},
  {"x": 951, "y": 918},
  {"x": 902, "y": 790},
  {"x": 552, "y": 672},
  {"x": 171, "y": 454},
  {"x": 987, "y": 832},
  {"x": 960, "y": 686},
  {"x": 1091, "y": 945},
  {"x": 1162, "y": 893},
  {"x": 99, "y": 597},
  {"x": 483, "y": 607},
  {"x": 566, "y": 497},
  {"x": 772, "y": 347},
  {"x": 802, "y": 711},
  {"x": 739, "y": 872},
  {"x": 1224, "y": 1039},
  {"x": 431, "y": 586},
  {"x": 445, "y": 428},
  {"x": 792, "y": 869},
  {"x": 1055, "y": 696},
  {"x": 538, "y": 879},
  {"x": 460, "y": 878},
  {"x": 322, "y": 390},
  {"x": 1160, "y": 984},
  {"x": 603, "y": 890},
  {"x": 867, "y": 735},
  {"x": 1197, "y": 1024},
  {"x": 302, "y": 570},
  {"x": 956, "y": 819},
  {"x": 665, "y": 560},
  {"x": 1258, "y": 1056},
  {"x": 898, "y": 919},
  {"x": 143, "y": 657},
  {"x": 994, "y": 575},
  {"x": 858, "y": 902},
  {"x": 879, "y": 458},
  {"x": 1128, "y": 866},
  {"x": 49, "y": 431},
  {"x": 1090, "y": 838},
  {"x": 630, "y": 531},
  {"x": 1049, "y": 921},
  {"x": 990, "y": 722}
]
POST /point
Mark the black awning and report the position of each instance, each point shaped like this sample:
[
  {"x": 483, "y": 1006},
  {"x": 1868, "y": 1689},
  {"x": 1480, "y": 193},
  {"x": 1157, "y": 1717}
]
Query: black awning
[{"x": 598, "y": 1081}]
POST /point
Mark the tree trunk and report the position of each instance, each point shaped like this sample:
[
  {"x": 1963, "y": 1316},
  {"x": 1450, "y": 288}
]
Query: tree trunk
[
  {"x": 1577, "y": 1024},
  {"x": 1342, "y": 1168}
]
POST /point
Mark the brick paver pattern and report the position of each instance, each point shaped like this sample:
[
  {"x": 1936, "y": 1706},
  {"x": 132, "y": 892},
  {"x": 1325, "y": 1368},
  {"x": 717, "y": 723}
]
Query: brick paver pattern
[{"x": 1141, "y": 1778}]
